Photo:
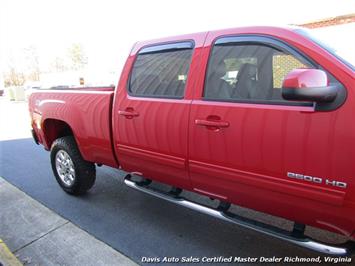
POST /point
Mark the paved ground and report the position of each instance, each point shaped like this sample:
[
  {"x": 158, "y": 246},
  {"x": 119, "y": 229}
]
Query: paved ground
[
  {"x": 38, "y": 236},
  {"x": 133, "y": 223},
  {"x": 6, "y": 256}
]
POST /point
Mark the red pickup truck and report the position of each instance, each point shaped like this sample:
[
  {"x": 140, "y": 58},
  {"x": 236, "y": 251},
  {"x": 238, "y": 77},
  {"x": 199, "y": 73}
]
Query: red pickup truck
[{"x": 260, "y": 117}]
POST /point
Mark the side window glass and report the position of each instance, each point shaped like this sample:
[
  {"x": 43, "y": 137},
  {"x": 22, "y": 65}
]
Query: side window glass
[
  {"x": 160, "y": 73},
  {"x": 282, "y": 64},
  {"x": 253, "y": 72}
]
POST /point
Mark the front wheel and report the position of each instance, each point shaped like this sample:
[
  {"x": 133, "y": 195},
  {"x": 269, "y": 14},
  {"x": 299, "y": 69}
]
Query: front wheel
[{"x": 72, "y": 172}]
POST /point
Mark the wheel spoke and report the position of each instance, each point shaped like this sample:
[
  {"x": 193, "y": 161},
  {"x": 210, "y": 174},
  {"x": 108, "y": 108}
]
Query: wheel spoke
[
  {"x": 71, "y": 177},
  {"x": 65, "y": 167}
]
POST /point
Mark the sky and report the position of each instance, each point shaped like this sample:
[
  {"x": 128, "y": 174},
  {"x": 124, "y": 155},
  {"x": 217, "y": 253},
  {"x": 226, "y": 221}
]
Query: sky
[{"x": 108, "y": 29}]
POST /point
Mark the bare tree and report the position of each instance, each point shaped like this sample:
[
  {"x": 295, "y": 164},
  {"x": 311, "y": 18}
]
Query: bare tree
[
  {"x": 77, "y": 56},
  {"x": 59, "y": 64},
  {"x": 14, "y": 78},
  {"x": 32, "y": 62}
]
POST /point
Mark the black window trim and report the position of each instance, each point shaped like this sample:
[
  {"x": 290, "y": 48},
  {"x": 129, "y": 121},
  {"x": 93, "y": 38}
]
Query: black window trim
[
  {"x": 166, "y": 47},
  {"x": 264, "y": 40},
  {"x": 157, "y": 48}
]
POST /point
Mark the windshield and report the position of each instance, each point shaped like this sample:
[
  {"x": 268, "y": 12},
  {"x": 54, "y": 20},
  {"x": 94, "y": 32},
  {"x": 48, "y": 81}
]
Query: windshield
[{"x": 338, "y": 40}]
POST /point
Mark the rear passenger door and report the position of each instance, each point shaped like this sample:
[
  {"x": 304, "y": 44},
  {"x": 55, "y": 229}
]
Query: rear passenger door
[{"x": 152, "y": 113}]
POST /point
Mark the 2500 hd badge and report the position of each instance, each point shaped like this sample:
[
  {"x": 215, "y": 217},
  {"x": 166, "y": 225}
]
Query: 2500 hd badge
[{"x": 318, "y": 180}]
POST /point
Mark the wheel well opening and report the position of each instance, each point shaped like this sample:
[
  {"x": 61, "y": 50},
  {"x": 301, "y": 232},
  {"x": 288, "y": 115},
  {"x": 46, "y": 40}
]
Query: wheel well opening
[{"x": 54, "y": 129}]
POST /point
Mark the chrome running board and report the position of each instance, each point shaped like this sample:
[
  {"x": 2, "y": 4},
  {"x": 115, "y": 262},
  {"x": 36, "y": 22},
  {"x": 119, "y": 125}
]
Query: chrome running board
[{"x": 344, "y": 249}]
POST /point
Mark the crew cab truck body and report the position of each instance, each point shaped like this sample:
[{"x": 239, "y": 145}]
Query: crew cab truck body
[{"x": 261, "y": 117}]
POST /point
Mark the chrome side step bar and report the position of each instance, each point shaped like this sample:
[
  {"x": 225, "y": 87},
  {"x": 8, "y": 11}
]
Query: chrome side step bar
[{"x": 345, "y": 249}]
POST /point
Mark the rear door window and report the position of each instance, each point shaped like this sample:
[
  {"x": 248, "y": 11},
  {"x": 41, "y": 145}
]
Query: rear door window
[{"x": 161, "y": 71}]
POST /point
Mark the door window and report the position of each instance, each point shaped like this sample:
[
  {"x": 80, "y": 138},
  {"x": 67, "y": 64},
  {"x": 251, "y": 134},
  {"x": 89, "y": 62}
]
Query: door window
[
  {"x": 248, "y": 72},
  {"x": 282, "y": 64},
  {"x": 161, "y": 73}
]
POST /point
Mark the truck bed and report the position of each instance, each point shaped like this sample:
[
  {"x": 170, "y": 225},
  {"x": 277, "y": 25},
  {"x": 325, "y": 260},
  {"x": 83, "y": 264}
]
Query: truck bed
[{"x": 87, "y": 113}]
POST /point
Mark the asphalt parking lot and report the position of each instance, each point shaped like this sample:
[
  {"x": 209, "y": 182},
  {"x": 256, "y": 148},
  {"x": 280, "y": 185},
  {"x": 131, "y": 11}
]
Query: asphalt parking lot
[{"x": 137, "y": 225}]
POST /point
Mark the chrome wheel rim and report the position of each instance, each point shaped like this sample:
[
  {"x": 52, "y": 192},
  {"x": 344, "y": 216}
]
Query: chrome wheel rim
[{"x": 65, "y": 167}]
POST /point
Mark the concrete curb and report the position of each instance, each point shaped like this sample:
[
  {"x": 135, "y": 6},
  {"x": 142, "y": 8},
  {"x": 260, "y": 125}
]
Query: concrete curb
[
  {"x": 6, "y": 256},
  {"x": 38, "y": 236}
]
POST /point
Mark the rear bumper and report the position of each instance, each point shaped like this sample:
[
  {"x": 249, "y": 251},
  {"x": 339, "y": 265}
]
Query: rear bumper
[{"x": 34, "y": 136}]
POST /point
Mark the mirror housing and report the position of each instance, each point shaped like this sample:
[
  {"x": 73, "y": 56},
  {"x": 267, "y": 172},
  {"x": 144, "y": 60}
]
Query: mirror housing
[{"x": 309, "y": 85}]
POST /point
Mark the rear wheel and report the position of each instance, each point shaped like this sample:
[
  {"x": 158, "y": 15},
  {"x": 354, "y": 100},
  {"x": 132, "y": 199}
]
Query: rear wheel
[{"x": 72, "y": 172}]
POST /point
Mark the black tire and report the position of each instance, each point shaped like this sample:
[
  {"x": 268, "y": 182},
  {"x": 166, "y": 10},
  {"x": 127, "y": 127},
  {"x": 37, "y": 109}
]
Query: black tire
[{"x": 85, "y": 172}]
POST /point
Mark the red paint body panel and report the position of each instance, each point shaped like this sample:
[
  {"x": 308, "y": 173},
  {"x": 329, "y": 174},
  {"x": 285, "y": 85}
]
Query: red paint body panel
[
  {"x": 88, "y": 114},
  {"x": 155, "y": 142},
  {"x": 246, "y": 160}
]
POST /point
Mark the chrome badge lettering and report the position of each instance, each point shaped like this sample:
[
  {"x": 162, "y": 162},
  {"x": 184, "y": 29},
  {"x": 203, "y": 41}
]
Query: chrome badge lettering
[
  {"x": 335, "y": 183},
  {"x": 317, "y": 180}
]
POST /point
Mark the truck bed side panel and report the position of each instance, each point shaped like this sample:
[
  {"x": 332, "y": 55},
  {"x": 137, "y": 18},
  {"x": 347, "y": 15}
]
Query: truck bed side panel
[{"x": 86, "y": 112}]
